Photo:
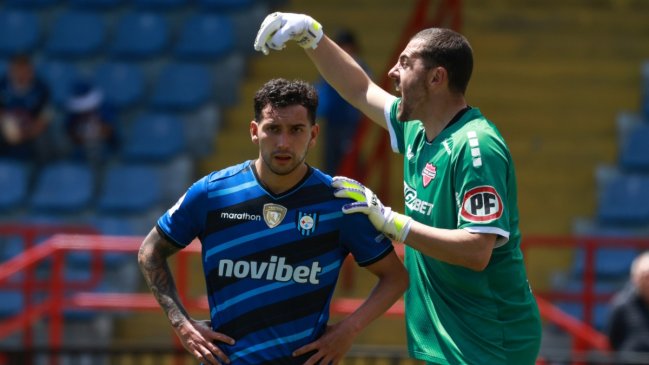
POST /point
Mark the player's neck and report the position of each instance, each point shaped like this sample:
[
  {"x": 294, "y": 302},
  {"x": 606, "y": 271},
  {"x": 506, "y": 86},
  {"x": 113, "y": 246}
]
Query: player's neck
[
  {"x": 278, "y": 184},
  {"x": 441, "y": 114}
]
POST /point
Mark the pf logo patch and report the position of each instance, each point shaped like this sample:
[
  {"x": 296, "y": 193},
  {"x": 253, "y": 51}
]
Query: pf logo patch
[
  {"x": 306, "y": 222},
  {"x": 274, "y": 214},
  {"x": 481, "y": 204},
  {"x": 428, "y": 173}
]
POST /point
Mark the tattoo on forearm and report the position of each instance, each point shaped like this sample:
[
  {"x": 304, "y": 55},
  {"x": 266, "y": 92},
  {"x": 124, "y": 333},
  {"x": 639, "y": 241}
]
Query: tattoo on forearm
[{"x": 156, "y": 271}]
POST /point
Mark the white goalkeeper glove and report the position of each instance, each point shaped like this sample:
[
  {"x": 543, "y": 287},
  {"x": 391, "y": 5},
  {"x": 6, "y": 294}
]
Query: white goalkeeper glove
[
  {"x": 394, "y": 225},
  {"x": 278, "y": 28}
]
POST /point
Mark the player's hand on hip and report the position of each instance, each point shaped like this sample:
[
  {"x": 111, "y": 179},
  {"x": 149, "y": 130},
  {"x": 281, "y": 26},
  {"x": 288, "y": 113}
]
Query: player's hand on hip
[
  {"x": 392, "y": 224},
  {"x": 198, "y": 339},
  {"x": 278, "y": 28},
  {"x": 330, "y": 348}
]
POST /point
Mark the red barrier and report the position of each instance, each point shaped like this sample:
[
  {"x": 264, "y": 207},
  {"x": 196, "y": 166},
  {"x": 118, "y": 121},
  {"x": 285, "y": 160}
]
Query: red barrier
[{"x": 584, "y": 336}]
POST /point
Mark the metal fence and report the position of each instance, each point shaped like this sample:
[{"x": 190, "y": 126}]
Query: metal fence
[{"x": 166, "y": 355}]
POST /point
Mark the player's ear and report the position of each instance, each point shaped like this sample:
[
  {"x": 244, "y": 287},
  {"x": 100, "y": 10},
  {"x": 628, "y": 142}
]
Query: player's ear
[
  {"x": 437, "y": 76},
  {"x": 254, "y": 132},
  {"x": 315, "y": 130}
]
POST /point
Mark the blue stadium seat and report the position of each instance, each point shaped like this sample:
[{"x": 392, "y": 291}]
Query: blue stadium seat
[
  {"x": 160, "y": 5},
  {"x": 129, "y": 189},
  {"x": 599, "y": 315},
  {"x": 19, "y": 31},
  {"x": 59, "y": 76},
  {"x": 12, "y": 302},
  {"x": 610, "y": 263},
  {"x": 624, "y": 200},
  {"x": 182, "y": 87},
  {"x": 154, "y": 138},
  {"x": 95, "y": 4},
  {"x": 140, "y": 35},
  {"x": 205, "y": 37},
  {"x": 34, "y": 4},
  {"x": 14, "y": 180},
  {"x": 122, "y": 83},
  {"x": 63, "y": 187},
  {"x": 634, "y": 151},
  {"x": 76, "y": 34},
  {"x": 224, "y": 5}
]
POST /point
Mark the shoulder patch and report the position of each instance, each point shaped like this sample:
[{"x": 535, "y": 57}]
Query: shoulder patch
[{"x": 481, "y": 204}]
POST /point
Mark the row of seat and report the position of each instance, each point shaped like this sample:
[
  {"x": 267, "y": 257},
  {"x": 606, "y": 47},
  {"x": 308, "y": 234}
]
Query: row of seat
[
  {"x": 67, "y": 187},
  {"x": 208, "y": 5},
  {"x": 78, "y": 34},
  {"x": 177, "y": 86}
]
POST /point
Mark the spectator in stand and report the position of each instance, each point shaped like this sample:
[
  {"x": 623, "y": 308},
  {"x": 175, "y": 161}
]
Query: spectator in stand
[
  {"x": 90, "y": 124},
  {"x": 23, "y": 111},
  {"x": 628, "y": 328},
  {"x": 340, "y": 118}
]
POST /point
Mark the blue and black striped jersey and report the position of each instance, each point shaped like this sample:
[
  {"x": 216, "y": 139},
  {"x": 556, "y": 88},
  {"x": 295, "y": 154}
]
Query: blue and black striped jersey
[{"x": 271, "y": 261}]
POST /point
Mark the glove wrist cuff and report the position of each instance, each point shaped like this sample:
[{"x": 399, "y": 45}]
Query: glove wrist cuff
[{"x": 397, "y": 226}]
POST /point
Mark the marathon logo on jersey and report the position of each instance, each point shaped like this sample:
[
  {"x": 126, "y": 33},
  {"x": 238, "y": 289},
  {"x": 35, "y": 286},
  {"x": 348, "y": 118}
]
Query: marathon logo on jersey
[
  {"x": 482, "y": 204},
  {"x": 274, "y": 214},
  {"x": 276, "y": 269},
  {"x": 428, "y": 173},
  {"x": 245, "y": 216},
  {"x": 306, "y": 223}
]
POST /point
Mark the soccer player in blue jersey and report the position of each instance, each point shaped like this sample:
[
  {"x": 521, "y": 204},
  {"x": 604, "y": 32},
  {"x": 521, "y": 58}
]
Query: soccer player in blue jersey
[{"x": 273, "y": 241}]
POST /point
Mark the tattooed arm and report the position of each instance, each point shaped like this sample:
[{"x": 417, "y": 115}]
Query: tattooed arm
[{"x": 196, "y": 336}]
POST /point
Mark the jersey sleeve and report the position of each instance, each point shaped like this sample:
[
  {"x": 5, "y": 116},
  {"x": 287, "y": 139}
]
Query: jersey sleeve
[
  {"x": 365, "y": 243},
  {"x": 395, "y": 128},
  {"x": 482, "y": 186},
  {"x": 181, "y": 223}
]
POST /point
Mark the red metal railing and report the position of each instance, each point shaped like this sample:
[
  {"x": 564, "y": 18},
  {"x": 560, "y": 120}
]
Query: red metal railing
[{"x": 62, "y": 295}]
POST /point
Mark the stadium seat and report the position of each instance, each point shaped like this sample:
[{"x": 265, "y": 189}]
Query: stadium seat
[
  {"x": 634, "y": 151},
  {"x": 59, "y": 76},
  {"x": 12, "y": 302},
  {"x": 95, "y": 4},
  {"x": 224, "y": 5},
  {"x": 140, "y": 35},
  {"x": 63, "y": 187},
  {"x": 160, "y": 5},
  {"x": 35, "y": 4},
  {"x": 610, "y": 263},
  {"x": 599, "y": 315},
  {"x": 75, "y": 35},
  {"x": 228, "y": 79},
  {"x": 205, "y": 37},
  {"x": 14, "y": 180},
  {"x": 129, "y": 189},
  {"x": 182, "y": 87},
  {"x": 122, "y": 83},
  {"x": 19, "y": 31},
  {"x": 624, "y": 200},
  {"x": 154, "y": 138}
]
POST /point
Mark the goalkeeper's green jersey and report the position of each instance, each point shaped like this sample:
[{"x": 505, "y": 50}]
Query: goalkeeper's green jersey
[{"x": 464, "y": 179}]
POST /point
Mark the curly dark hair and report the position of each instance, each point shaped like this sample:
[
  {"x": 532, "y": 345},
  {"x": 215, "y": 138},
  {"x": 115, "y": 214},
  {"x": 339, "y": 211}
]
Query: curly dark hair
[{"x": 281, "y": 92}]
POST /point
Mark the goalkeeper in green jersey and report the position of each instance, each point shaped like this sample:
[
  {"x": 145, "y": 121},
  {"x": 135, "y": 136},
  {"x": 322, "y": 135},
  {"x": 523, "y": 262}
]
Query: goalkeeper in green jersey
[{"x": 469, "y": 300}]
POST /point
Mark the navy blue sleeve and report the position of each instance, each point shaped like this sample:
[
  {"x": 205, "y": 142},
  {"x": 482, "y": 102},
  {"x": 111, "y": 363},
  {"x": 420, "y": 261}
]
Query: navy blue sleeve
[
  {"x": 365, "y": 243},
  {"x": 185, "y": 220}
]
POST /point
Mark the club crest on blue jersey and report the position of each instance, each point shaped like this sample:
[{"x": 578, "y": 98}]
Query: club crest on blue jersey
[
  {"x": 274, "y": 214},
  {"x": 306, "y": 222}
]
